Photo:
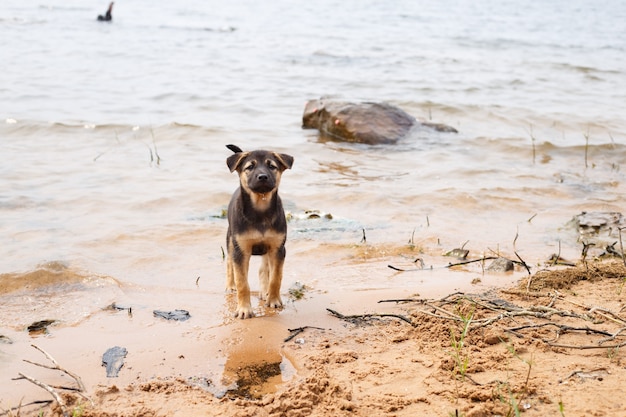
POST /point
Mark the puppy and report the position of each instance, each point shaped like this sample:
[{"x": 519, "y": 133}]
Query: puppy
[{"x": 256, "y": 226}]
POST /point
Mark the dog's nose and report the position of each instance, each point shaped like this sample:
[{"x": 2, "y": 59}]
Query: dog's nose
[{"x": 262, "y": 177}]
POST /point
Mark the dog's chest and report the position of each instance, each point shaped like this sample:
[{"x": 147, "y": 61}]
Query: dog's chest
[{"x": 259, "y": 241}]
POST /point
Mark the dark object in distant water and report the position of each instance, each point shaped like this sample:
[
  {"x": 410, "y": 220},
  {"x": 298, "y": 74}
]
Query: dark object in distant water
[
  {"x": 113, "y": 359},
  {"x": 370, "y": 123},
  {"x": 107, "y": 17}
]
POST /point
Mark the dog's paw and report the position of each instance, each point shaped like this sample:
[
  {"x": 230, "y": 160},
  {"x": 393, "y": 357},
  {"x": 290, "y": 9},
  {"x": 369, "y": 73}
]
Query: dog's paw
[
  {"x": 244, "y": 313},
  {"x": 274, "y": 302}
]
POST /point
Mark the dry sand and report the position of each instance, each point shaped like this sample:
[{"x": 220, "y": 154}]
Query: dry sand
[{"x": 551, "y": 346}]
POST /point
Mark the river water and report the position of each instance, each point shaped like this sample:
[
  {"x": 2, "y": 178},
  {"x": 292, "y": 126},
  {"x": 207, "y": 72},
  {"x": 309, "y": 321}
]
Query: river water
[{"x": 113, "y": 177}]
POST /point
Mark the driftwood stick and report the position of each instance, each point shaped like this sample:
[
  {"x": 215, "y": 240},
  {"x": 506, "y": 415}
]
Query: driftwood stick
[
  {"x": 535, "y": 311},
  {"x": 563, "y": 328},
  {"x": 585, "y": 347},
  {"x": 575, "y": 373},
  {"x": 368, "y": 316},
  {"x": 7, "y": 412},
  {"x": 50, "y": 390},
  {"x": 607, "y": 314},
  {"x": 404, "y": 300},
  {"x": 79, "y": 382},
  {"x": 447, "y": 317},
  {"x": 449, "y": 296},
  {"x": 612, "y": 336},
  {"x": 295, "y": 332},
  {"x": 485, "y": 258},
  {"x": 444, "y": 311}
]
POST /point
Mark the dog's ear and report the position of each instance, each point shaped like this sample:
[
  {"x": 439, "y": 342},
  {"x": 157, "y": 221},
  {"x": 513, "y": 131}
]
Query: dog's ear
[
  {"x": 234, "y": 148},
  {"x": 234, "y": 161},
  {"x": 285, "y": 160}
]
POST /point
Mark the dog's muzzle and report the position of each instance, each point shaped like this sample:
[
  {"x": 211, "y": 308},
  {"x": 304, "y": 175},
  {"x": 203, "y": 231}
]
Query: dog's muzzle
[{"x": 262, "y": 183}]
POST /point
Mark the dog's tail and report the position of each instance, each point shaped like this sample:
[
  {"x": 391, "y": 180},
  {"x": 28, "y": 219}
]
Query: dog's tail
[{"x": 234, "y": 148}]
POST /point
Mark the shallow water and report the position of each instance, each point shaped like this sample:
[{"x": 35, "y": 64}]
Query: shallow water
[{"x": 113, "y": 161}]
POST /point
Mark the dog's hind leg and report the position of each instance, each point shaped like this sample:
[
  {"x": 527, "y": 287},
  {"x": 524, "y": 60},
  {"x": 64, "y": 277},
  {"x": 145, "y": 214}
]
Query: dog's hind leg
[
  {"x": 230, "y": 275},
  {"x": 264, "y": 277}
]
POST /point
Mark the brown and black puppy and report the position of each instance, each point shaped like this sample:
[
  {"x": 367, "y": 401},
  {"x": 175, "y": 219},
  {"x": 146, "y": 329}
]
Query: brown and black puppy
[{"x": 256, "y": 226}]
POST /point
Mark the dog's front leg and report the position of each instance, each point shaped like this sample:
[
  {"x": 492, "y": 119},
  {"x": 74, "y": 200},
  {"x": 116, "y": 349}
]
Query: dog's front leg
[
  {"x": 240, "y": 269},
  {"x": 275, "y": 263}
]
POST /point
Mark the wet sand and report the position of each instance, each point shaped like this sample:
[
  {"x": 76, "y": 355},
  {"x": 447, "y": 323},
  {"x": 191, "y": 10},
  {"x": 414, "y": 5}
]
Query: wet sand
[{"x": 213, "y": 364}]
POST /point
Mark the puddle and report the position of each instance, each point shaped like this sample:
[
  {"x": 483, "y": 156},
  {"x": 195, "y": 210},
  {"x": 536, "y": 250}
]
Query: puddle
[
  {"x": 253, "y": 363},
  {"x": 254, "y": 380},
  {"x": 249, "y": 381}
]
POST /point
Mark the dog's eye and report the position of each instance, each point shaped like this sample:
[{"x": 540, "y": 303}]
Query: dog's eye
[
  {"x": 249, "y": 167},
  {"x": 273, "y": 167}
]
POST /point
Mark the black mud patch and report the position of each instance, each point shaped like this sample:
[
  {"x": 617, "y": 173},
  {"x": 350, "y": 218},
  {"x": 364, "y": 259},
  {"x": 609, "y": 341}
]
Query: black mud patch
[{"x": 251, "y": 380}]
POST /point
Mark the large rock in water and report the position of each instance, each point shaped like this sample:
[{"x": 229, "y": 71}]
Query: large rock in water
[{"x": 370, "y": 123}]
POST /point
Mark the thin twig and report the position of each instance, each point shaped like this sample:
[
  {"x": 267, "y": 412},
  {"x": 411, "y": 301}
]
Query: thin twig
[
  {"x": 576, "y": 373},
  {"x": 79, "y": 382},
  {"x": 484, "y": 258},
  {"x": 561, "y": 327},
  {"x": 20, "y": 406},
  {"x": 80, "y": 390},
  {"x": 586, "y": 347},
  {"x": 404, "y": 300},
  {"x": 613, "y": 336},
  {"x": 522, "y": 262},
  {"x": 621, "y": 245},
  {"x": 368, "y": 316},
  {"x": 607, "y": 314},
  {"x": 450, "y": 265},
  {"x": 295, "y": 332},
  {"x": 50, "y": 390}
]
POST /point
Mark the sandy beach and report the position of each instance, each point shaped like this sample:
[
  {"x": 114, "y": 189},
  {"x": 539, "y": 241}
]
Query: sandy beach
[{"x": 550, "y": 345}]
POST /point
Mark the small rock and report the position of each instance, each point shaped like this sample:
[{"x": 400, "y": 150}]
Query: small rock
[
  {"x": 501, "y": 265},
  {"x": 370, "y": 123}
]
